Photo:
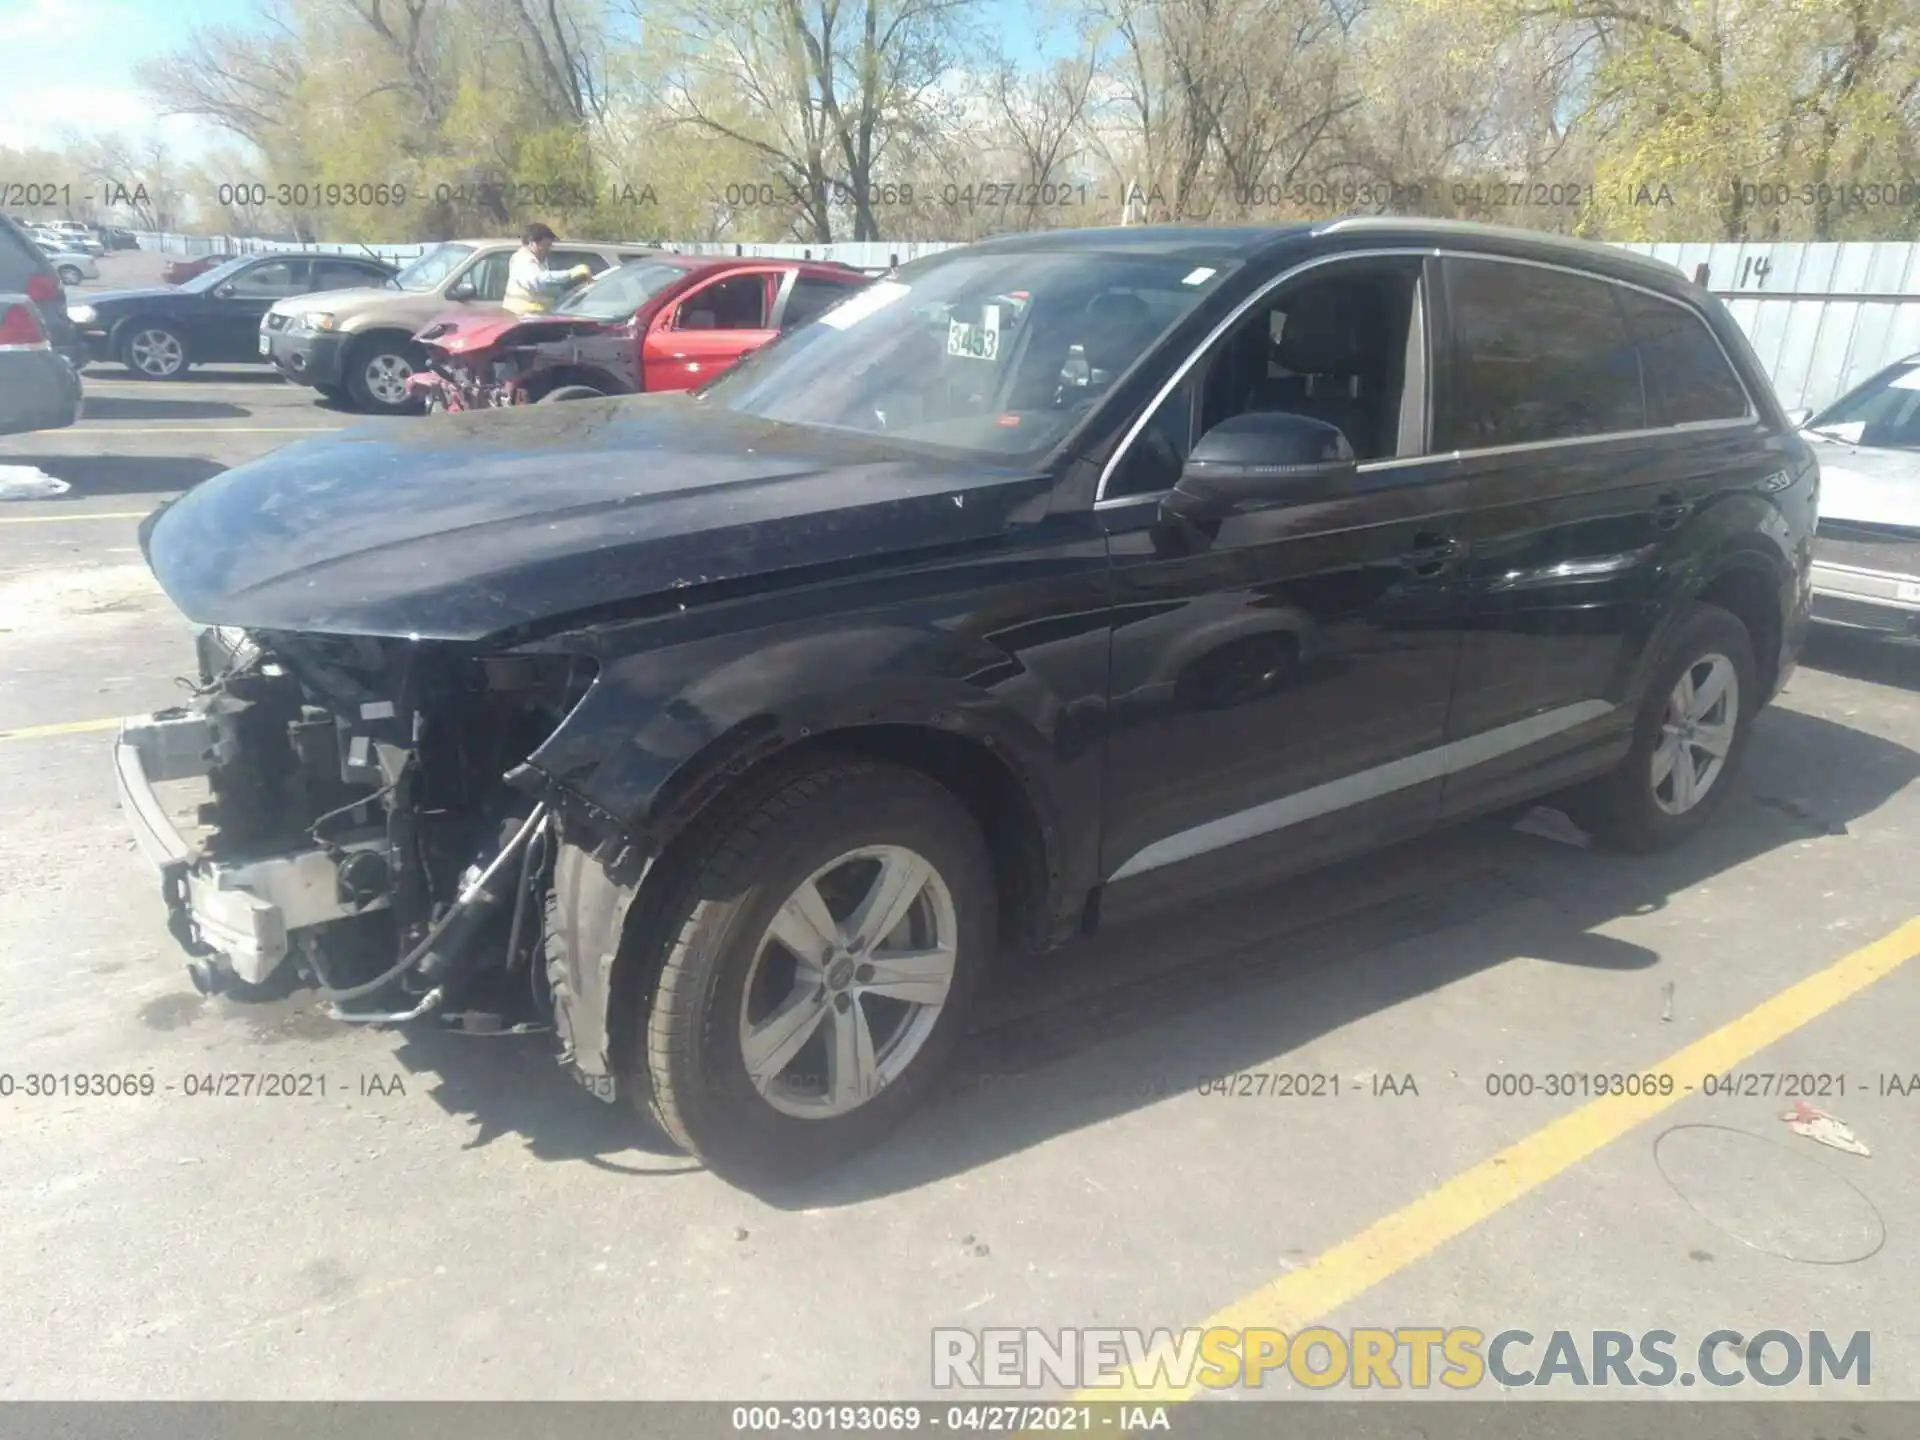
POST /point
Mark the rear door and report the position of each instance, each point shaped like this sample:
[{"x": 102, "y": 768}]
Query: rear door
[
  {"x": 225, "y": 325},
  {"x": 1581, "y": 490},
  {"x": 711, "y": 326},
  {"x": 24, "y": 270}
]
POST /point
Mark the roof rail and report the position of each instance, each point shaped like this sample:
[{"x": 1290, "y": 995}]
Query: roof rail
[{"x": 1362, "y": 223}]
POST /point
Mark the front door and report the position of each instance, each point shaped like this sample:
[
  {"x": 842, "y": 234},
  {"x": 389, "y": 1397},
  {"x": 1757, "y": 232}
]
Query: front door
[
  {"x": 1280, "y": 688},
  {"x": 229, "y": 327},
  {"x": 709, "y": 328}
]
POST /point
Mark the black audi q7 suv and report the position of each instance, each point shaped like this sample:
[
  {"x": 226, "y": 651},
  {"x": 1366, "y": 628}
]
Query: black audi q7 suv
[{"x": 1043, "y": 580}]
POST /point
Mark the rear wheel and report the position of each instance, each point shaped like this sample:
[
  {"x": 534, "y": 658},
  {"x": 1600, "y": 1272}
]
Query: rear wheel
[
  {"x": 70, "y": 275},
  {"x": 377, "y": 372},
  {"x": 571, "y": 392},
  {"x": 1688, "y": 740},
  {"x": 153, "y": 352},
  {"x": 336, "y": 393},
  {"x": 825, "y": 947}
]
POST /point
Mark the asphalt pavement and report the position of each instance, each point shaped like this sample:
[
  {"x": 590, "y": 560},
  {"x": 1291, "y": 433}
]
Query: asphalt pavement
[{"x": 440, "y": 1216}]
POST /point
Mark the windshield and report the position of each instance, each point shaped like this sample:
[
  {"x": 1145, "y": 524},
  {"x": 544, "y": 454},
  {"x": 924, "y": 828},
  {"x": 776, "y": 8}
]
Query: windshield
[
  {"x": 620, "y": 291},
  {"x": 431, "y": 268},
  {"x": 1884, "y": 413},
  {"x": 998, "y": 353},
  {"x": 207, "y": 279}
]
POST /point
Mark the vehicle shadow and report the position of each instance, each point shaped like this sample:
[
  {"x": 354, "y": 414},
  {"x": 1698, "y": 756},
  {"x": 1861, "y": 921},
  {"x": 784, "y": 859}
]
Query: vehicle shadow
[
  {"x": 1119, "y": 1021},
  {"x": 1863, "y": 655},
  {"x": 134, "y": 407},
  {"x": 238, "y": 374},
  {"x": 120, "y": 474}
]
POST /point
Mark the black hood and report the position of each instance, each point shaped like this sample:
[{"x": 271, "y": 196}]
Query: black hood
[
  {"x": 145, "y": 295},
  {"x": 466, "y": 526}
]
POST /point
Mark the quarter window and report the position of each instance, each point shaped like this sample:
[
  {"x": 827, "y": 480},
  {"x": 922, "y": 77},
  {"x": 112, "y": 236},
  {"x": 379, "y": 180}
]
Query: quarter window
[
  {"x": 1538, "y": 355},
  {"x": 1688, "y": 378}
]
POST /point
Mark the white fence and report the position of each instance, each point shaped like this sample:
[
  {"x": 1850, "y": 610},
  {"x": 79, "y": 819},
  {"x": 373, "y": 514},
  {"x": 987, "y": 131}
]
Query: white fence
[{"x": 1821, "y": 316}]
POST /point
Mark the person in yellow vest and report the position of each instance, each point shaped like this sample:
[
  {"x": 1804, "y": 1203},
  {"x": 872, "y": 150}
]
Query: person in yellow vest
[{"x": 531, "y": 286}]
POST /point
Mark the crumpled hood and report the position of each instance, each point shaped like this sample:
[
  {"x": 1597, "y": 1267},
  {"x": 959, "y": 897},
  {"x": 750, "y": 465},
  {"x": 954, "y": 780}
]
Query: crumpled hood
[
  {"x": 461, "y": 527},
  {"x": 1867, "y": 486}
]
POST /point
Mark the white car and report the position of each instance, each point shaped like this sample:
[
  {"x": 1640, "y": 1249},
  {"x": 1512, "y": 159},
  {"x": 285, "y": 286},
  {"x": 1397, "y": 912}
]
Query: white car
[
  {"x": 1866, "y": 554},
  {"x": 72, "y": 266},
  {"x": 78, "y": 237}
]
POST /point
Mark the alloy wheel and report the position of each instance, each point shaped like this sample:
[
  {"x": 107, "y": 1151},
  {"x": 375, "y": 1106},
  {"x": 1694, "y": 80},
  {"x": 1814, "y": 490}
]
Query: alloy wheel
[
  {"x": 848, "y": 982},
  {"x": 1696, "y": 733},
  {"x": 386, "y": 377},
  {"x": 157, "y": 353}
]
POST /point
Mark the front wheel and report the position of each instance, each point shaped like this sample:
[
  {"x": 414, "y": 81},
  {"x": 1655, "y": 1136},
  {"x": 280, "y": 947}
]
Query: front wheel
[
  {"x": 377, "y": 373},
  {"x": 1688, "y": 739},
  {"x": 154, "y": 352},
  {"x": 825, "y": 947}
]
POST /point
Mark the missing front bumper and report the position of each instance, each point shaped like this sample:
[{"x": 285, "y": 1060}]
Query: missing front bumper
[{"x": 243, "y": 915}]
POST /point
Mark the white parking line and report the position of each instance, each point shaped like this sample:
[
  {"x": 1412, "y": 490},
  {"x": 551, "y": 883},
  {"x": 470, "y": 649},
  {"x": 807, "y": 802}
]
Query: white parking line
[{"x": 81, "y": 515}]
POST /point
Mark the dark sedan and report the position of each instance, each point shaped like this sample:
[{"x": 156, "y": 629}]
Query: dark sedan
[{"x": 215, "y": 317}]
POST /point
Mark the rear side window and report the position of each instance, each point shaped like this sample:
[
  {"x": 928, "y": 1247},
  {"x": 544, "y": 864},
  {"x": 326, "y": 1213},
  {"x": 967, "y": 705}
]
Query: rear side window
[
  {"x": 20, "y": 259},
  {"x": 1688, "y": 377},
  {"x": 811, "y": 296},
  {"x": 1538, "y": 355},
  {"x": 567, "y": 259}
]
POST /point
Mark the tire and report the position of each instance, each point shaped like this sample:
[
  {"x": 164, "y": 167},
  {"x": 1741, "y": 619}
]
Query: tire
[
  {"x": 335, "y": 393},
  {"x": 70, "y": 275},
  {"x": 572, "y": 392},
  {"x": 152, "y": 351},
  {"x": 1632, "y": 806},
  {"x": 371, "y": 366},
  {"x": 773, "y": 1125}
]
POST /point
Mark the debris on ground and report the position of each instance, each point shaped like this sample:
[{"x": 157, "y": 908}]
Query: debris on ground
[
  {"x": 1551, "y": 824},
  {"x": 1819, "y": 1126},
  {"x": 25, "y": 482},
  {"x": 1804, "y": 813}
]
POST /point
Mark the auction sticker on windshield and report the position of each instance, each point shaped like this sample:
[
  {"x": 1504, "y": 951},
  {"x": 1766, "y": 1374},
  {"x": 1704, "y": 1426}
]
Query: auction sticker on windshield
[{"x": 973, "y": 342}]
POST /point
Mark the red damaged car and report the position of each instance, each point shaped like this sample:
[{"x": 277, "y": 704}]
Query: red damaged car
[{"x": 668, "y": 322}]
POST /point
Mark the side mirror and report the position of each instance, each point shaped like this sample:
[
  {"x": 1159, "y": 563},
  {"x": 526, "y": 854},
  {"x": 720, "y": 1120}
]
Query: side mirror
[
  {"x": 462, "y": 290},
  {"x": 1260, "y": 458},
  {"x": 224, "y": 292}
]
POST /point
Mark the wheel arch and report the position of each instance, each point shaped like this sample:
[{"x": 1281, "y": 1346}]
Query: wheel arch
[{"x": 548, "y": 379}]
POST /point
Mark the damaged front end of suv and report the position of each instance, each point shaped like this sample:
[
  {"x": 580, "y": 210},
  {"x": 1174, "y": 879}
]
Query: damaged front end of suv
[{"x": 356, "y": 829}]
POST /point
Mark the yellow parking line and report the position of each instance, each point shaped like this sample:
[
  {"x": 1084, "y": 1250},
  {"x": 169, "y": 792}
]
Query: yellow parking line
[
  {"x": 78, "y": 515},
  {"x": 1305, "y": 1296},
  {"x": 66, "y": 727}
]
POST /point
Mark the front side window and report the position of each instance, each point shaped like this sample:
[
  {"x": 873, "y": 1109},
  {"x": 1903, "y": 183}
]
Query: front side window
[
  {"x": 1884, "y": 412},
  {"x": 1538, "y": 355},
  {"x": 276, "y": 278},
  {"x": 1332, "y": 346},
  {"x": 1688, "y": 377},
  {"x": 488, "y": 276},
  {"x": 996, "y": 354},
  {"x": 738, "y": 302}
]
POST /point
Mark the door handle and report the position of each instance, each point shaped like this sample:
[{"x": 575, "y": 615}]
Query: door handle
[
  {"x": 1670, "y": 510},
  {"x": 1431, "y": 553}
]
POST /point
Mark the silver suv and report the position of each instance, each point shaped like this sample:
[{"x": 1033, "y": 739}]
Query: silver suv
[{"x": 357, "y": 345}]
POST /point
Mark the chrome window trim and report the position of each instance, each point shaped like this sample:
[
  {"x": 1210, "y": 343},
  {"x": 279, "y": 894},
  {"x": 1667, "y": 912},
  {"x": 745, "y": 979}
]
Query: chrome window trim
[{"x": 1751, "y": 417}]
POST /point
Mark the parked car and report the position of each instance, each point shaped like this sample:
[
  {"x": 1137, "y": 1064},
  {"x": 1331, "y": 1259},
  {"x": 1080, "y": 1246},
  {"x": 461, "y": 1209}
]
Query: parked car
[
  {"x": 359, "y": 347},
  {"x": 671, "y": 322},
  {"x": 792, "y": 703},
  {"x": 214, "y": 318},
  {"x": 26, "y": 270},
  {"x": 78, "y": 236},
  {"x": 115, "y": 238},
  {"x": 72, "y": 266},
  {"x": 39, "y": 388},
  {"x": 1866, "y": 556},
  {"x": 178, "y": 272}
]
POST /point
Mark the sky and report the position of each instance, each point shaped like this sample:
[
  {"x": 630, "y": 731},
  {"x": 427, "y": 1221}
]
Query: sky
[{"x": 70, "y": 64}]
